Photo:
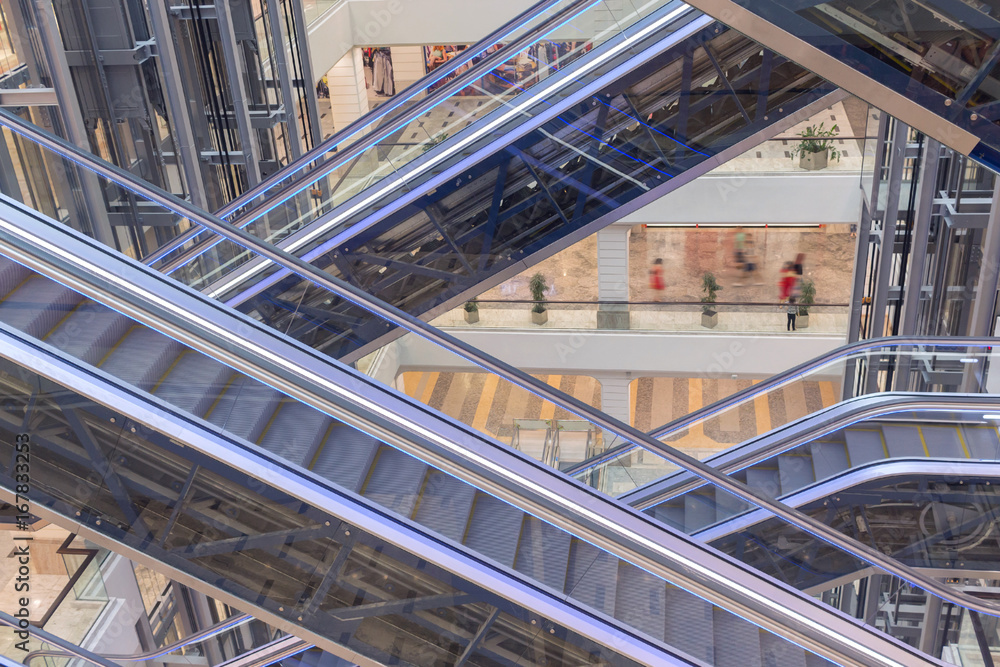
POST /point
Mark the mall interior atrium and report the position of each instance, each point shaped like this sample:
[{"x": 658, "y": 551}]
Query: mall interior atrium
[{"x": 536, "y": 333}]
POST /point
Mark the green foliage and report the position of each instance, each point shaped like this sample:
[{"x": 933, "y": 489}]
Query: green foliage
[
  {"x": 472, "y": 305},
  {"x": 433, "y": 141},
  {"x": 537, "y": 287},
  {"x": 817, "y": 139},
  {"x": 807, "y": 295},
  {"x": 710, "y": 286}
]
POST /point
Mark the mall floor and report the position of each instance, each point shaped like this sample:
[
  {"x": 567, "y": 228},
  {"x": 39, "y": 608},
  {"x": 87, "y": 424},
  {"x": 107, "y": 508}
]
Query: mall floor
[{"x": 493, "y": 407}]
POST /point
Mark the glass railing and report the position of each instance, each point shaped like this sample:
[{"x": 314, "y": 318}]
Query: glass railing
[
  {"x": 722, "y": 316},
  {"x": 525, "y": 201},
  {"x": 944, "y": 366},
  {"x": 311, "y": 193},
  {"x": 230, "y": 418}
]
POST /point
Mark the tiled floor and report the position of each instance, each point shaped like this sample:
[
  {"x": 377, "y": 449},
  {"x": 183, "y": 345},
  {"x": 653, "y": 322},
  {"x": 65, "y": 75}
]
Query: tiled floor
[{"x": 490, "y": 406}]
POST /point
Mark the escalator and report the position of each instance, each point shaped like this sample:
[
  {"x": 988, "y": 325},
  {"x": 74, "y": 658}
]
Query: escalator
[
  {"x": 202, "y": 551},
  {"x": 933, "y": 64},
  {"x": 631, "y": 119},
  {"x": 145, "y": 444}
]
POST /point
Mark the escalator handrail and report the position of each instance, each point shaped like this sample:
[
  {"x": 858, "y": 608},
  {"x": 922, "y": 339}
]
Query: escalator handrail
[
  {"x": 194, "y": 638},
  {"x": 79, "y": 262},
  {"x": 510, "y": 373},
  {"x": 706, "y": 412},
  {"x": 49, "y": 638},
  {"x": 363, "y": 143},
  {"x": 869, "y": 472},
  {"x": 804, "y": 430}
]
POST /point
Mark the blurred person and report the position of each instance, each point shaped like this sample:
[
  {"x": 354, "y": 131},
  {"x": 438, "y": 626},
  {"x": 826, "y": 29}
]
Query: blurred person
[
  {"x": 797, "y": 264},
  {"x": 656, "y": 283},
  {"x": 786, "y": 281}
]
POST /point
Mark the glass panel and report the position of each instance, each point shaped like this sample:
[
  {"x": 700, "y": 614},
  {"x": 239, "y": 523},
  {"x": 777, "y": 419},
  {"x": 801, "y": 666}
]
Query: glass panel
[
  {"x": 941, "y": 368},
  {"x": 258, "y": 544},
  {"x": 573, "y": 170}
]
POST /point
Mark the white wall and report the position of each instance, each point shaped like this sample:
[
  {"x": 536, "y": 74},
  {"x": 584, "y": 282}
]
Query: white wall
[
  {"x": 827, "y": 198},
  {"x": 114, "y": 631},
  {"x": 348, "y": 98},
  {"x": 418, "y": 22},
  {"x": 639, "y": 353}
]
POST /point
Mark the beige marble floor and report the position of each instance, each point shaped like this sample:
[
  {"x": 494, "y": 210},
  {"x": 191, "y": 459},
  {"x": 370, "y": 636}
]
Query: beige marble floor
[{"x": 48, "y": 576}]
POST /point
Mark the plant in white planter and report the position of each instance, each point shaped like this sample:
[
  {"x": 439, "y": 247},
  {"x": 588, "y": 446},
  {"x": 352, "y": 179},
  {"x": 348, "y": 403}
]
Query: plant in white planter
[
  {"x": 816, "y": 148},
  {"x": 471, "y": 311},
  {"x": 710, "y": 286},
  {"x": 807, "y": 296},
  {"x": 537, "y": 288}
]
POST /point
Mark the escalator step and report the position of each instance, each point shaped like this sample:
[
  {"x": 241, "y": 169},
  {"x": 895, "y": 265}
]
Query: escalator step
[
  {"x": 943, "y": 441},
  {"x": 689, "y": 624},
  {"x": 903, "y": 441},
  {"x": 592, "y": 576},
  {"x": 796, "y": 472},
  {"x": 542, "y": 554},
  {"x": 764, "y": 480},
  {"x": 829, "y": 459},
  {"x": 864, "y": 446},
  {"x": 727, "y": 505},
  {"x": 245, "y": 409},
  {"x": 90, "y": 332},
  {"x": 295, "y": 432},
  {"x": 495, "y": 529},
  {"x": 37, "y": 306},
  {"x": 982, "y": 441},
  {"x": 445, "y": 505},
  {"x": 778, "y": 652},
  {"x": 668, "y": 513},
  {"x": 346, "y": 456},
  {"x": 194, "y": 383},
  {"x": 640, "y": 600},
  {"x": 813, "y": 660},
  {"x": 12, "y": 274},
  {"x": 699, "y": 510},
  {"x": 142, "y": 357},
  {"x": 395, "y": 481},
  {"x": 737, "y": 642}
]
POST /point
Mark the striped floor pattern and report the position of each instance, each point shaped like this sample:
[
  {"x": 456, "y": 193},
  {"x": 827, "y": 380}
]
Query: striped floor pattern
[
  {"x": 658, "y": 400},
  {"x": 490, "y": 406}
]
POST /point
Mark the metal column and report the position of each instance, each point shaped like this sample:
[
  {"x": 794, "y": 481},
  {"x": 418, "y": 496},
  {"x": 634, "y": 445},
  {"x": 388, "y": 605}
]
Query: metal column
[
  {"x": 248, "y": 140},
  {"x": 188, "y": 152}
]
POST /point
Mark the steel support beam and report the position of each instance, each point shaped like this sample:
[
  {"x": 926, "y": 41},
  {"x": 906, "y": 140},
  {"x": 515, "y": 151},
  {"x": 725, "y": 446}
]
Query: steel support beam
[
  {"x": 279, "y": 71},
  {"x": 72, "y": 119},
  {"x": 983, "y": 311},
  {"x": 237, "y": 87},
  {"x": 179, "y": 107}
]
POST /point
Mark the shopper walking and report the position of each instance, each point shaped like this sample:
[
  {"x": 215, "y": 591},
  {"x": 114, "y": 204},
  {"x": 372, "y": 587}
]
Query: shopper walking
[
  {"x": 792, "y": 311},
  {"x": 656, "y": 283},
  {"x": 786, "y": 281}
]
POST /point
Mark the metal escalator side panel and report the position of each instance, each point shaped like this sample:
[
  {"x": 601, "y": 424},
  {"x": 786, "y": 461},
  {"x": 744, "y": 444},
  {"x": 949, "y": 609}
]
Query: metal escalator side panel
[
  {"x": 824, "y": 51},
  {"x": 258, "y": 544},
  {"x": 529, "y": 193},
  {"x": 545, "y": 493}
]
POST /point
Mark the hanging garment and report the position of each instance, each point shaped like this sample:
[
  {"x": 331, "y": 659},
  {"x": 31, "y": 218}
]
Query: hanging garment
[{"x": 383, "y": 79}]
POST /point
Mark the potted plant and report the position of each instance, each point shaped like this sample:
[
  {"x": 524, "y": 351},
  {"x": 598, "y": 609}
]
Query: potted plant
[
  {"x": 807, "y": 296},
  {"x": 433, "y": 141},
  {"x": 816, "y": 148},
  {"x": 537, "y": 288},
  {"x": 710, "y": 286},
  {"x": 471, "y": 311}
]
